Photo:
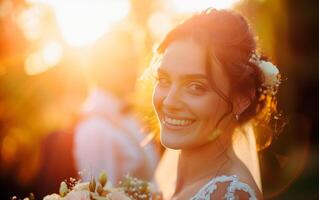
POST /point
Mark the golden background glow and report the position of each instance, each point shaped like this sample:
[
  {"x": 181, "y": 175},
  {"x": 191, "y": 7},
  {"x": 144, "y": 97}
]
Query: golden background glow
[{"x": 53, "y": 51}]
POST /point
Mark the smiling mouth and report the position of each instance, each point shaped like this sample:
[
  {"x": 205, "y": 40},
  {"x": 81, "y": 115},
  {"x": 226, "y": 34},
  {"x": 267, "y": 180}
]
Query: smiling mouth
[{"x": 177, "y": 122}]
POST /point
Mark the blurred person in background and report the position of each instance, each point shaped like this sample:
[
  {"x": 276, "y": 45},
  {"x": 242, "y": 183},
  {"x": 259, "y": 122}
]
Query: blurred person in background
[{"x": 107, "y": 136}]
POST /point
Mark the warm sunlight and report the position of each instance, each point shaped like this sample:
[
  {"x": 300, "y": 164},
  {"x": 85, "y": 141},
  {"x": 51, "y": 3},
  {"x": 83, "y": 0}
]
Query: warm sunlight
[
  {"x": 29, "y": 22},
  {"x": 195, "y": 6},
  {"x": 83, "y": 22},
  {"x": 154, "y": 20},
  {"x": 81, "y": 104},
  {"x": 52, "y": 53},
  {"x": 44, "y": 59}
]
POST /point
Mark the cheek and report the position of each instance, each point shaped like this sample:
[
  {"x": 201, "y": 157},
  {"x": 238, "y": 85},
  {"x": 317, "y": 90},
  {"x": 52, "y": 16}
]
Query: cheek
[{"x": 208, "y": 108}]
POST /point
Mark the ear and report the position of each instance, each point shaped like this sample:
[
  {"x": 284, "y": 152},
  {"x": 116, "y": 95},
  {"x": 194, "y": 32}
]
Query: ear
[{"x": 242, "y": 101}]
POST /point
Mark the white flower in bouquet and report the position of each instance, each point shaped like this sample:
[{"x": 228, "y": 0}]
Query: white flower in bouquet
[
  {"x": 81, "y": 186},
  {"x": 52, "y": 197},
  {"x": 79, "y": 195}
]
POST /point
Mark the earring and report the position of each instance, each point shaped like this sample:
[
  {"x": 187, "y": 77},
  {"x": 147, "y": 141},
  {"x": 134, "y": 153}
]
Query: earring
[{"x": 237, "y": 116}]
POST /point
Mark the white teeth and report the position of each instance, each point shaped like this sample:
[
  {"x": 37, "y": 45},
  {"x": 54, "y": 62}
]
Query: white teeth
[{"x": 177, "y": 122}]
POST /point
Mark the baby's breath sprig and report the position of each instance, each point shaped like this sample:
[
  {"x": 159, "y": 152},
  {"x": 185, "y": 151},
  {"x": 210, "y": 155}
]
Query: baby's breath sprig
[{"x": 135, "y": 188}]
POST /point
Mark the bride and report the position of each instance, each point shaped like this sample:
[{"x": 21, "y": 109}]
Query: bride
[{"x": 211, "y": 82}]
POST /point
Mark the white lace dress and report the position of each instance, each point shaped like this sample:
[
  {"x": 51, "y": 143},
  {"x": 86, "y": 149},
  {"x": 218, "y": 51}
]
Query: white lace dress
[{"x": 234, "y": 185}]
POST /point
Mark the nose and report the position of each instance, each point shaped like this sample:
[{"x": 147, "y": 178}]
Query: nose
[{"x": 172, "y": 100}]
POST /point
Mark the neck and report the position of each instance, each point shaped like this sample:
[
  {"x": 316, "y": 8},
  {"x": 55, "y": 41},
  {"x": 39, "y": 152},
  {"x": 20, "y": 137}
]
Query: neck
[{"x": 203, "y": 162}]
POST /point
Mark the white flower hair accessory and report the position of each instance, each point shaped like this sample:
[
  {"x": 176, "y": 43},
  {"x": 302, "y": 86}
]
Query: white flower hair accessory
[
  {"x": 268, "y": 121},
  {"x": 271, "y": 74}
]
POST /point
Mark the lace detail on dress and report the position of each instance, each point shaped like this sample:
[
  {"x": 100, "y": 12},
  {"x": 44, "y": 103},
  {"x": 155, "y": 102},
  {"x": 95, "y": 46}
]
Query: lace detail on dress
[{"x": 205, "y": 192}]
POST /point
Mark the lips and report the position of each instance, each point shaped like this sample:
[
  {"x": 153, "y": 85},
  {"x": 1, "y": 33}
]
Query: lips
[{"x": 173, "y": 122}]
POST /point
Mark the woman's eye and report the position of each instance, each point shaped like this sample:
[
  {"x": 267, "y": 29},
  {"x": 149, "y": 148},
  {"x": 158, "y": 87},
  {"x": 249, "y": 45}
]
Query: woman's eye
[
  {"x": 163, "y": 82},
  {"x": 196, "y": 88}
]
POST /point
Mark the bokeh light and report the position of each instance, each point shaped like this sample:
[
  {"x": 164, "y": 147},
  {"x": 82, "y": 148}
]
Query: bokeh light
[
  {"x": 29, "y": 22},
  {"x": 44, "y": 59},
  {"x": 52, "y": 53},
  {"x": 34, "y": 64}
]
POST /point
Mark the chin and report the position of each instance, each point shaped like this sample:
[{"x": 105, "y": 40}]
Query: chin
[
  {"x": 171, "y": 145},
  {"x": 173, "y": 141}
]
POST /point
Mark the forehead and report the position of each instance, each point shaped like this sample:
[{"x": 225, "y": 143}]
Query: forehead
[{"x": 184, "y": 56}]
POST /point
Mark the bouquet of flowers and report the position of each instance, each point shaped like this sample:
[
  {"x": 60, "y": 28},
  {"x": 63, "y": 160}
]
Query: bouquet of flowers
[{"x": 130, "y": 188}]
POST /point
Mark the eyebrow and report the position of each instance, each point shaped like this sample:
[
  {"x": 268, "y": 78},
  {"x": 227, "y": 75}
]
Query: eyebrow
[{"x": 185, "y": 76}]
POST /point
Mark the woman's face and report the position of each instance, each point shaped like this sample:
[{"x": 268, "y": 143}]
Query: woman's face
[{"x": 186, "y": 105}]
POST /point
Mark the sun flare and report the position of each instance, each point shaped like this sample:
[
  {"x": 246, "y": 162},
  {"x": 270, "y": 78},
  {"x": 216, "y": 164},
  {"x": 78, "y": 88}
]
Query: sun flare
[{"x": 83, "y": 22}]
